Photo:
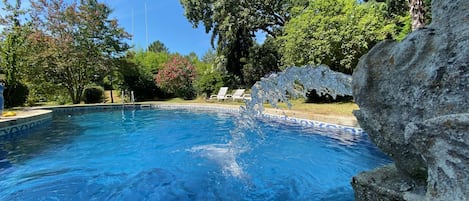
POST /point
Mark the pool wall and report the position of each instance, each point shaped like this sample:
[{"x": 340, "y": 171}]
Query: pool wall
[
  {"x": 33, "y": 119},
  {"x": 43, "y": 115}
]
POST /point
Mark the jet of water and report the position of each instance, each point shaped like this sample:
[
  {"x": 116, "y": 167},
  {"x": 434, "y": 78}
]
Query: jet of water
[{"x": 295, "y": 82}]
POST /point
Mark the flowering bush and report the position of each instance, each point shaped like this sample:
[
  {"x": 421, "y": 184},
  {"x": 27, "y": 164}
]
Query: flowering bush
[{"x": 177, "y": 76}]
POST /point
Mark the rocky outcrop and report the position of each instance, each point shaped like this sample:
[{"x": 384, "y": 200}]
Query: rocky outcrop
[
  {"x": 414, "y": 101},
  {"x": 444, "y": 145}
]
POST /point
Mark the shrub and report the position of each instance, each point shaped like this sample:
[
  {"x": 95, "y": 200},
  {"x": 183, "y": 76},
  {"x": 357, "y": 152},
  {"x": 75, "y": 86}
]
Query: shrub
[
  {"x": 135, "y": 78},
  {"x": 177, "y": 77},
  {"x": 15, "y": 95},
  {"x": 94, "y": 94},
  {"x": 209, "y": 83}
]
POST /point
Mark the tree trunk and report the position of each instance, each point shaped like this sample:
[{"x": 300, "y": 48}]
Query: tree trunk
[
  {"x": 75, "y": 94},
  {"x": 417, "y": 14}
]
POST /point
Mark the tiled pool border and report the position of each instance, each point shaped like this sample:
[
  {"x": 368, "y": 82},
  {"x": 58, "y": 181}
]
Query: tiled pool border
[
  {"x": 19, "y": 125},
  {"x": 32, "y": 122}
]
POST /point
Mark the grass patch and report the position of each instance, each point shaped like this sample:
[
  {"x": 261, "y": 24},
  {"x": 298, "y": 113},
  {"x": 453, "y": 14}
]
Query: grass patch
[{"x": 342, "y": 109}]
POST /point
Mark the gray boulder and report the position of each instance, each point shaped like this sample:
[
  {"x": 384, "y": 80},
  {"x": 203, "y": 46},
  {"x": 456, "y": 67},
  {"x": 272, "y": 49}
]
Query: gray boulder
[
  {"x": 443, "y": 143},
  {"x": 403, "y": 87}
]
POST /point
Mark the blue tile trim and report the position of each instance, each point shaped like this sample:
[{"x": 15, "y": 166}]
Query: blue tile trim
[
  {"x": 314, "y": 124},
  {"x": 92, "y": 108},
  {"x": 19, "y": 128}
]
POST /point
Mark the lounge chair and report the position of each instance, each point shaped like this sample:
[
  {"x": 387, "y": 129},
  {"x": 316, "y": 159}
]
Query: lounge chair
[
  {"x": 237, "y": 95},
  {"x": 240, "y": 95},
  {"x": 221, "y": 94}
]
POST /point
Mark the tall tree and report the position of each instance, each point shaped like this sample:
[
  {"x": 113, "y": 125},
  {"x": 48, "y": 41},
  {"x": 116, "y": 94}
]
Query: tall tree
[
  {"x": 209, "y": 57},
  {"x": 78, "y": 42},
  {"x": 158, "y": 46},
  {"x": 224, "y": 17},
  {"x": 13, "y": 39},
  {"x": 13, "y": 50},
  {"x": 236, "y": 53},
  {"x": 264, "y": 59},
  {"x": 234, "y": 23}
]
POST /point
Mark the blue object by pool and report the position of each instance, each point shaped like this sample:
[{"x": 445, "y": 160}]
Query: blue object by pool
[{"x": 179, "y": 155}]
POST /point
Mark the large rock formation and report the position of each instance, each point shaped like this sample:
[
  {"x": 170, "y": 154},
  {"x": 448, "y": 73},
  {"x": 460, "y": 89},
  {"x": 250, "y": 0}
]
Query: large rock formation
[{"x": 414, "y": 104}]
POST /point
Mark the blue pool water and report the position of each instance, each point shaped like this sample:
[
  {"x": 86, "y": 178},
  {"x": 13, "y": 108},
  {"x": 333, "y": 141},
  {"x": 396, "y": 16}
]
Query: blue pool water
[{"x": 179, "y": 155}]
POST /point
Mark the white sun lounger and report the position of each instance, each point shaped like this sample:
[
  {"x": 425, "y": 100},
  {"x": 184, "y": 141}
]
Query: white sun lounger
[{"x": 221, "y": 94}]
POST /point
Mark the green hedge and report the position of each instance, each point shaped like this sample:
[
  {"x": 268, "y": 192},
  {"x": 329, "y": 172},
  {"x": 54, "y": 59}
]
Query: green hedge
[{"x": 93, "y": 94}]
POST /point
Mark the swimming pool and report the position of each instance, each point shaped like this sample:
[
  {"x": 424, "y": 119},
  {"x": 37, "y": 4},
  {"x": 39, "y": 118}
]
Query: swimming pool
[{"x": 179, "y": 155}]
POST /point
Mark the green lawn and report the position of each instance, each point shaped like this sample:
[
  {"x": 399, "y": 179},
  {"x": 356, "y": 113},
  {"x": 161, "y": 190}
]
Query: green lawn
[{"x": 340, "y": 109}]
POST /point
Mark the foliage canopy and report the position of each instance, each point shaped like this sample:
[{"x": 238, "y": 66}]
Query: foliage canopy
[
  {"x": 335, "y": 33},
  {"x": 75, "y": 43}
]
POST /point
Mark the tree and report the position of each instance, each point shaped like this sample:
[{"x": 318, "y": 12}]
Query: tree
[
  {"x": 233, "y": 24},
  {"x": 158, "y": 46},
  {"x": 208, "y": 82},
  {"x": 134, "y": 77},
  {"x": 224, "y": 17},
  {"x": 264, "y": 59},
  {"x": 149, "y": 60},
  {"x": 76, "y": 42},
  {"x": 418, "y": 10},
  {"x": 335, "y": 33},
  {"x": 236, "y": 53},
  {"x": 417, "y": 14},
  {"x": 209, "y": 57}
]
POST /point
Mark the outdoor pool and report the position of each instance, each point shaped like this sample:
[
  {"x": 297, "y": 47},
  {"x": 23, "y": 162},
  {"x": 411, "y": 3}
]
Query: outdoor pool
[{"x": 178, "y": 154}]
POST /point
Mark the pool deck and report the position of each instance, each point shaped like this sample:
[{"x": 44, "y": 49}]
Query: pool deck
[{"x": 25, "y": 116}]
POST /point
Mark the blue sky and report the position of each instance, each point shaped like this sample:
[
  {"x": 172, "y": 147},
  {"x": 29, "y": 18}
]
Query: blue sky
[{"x": 166, "y": 23}]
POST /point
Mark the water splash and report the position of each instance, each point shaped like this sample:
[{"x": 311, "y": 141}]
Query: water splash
[
  {"x": 224, "y": 155},
  {"x": 295, "y": 82}
]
